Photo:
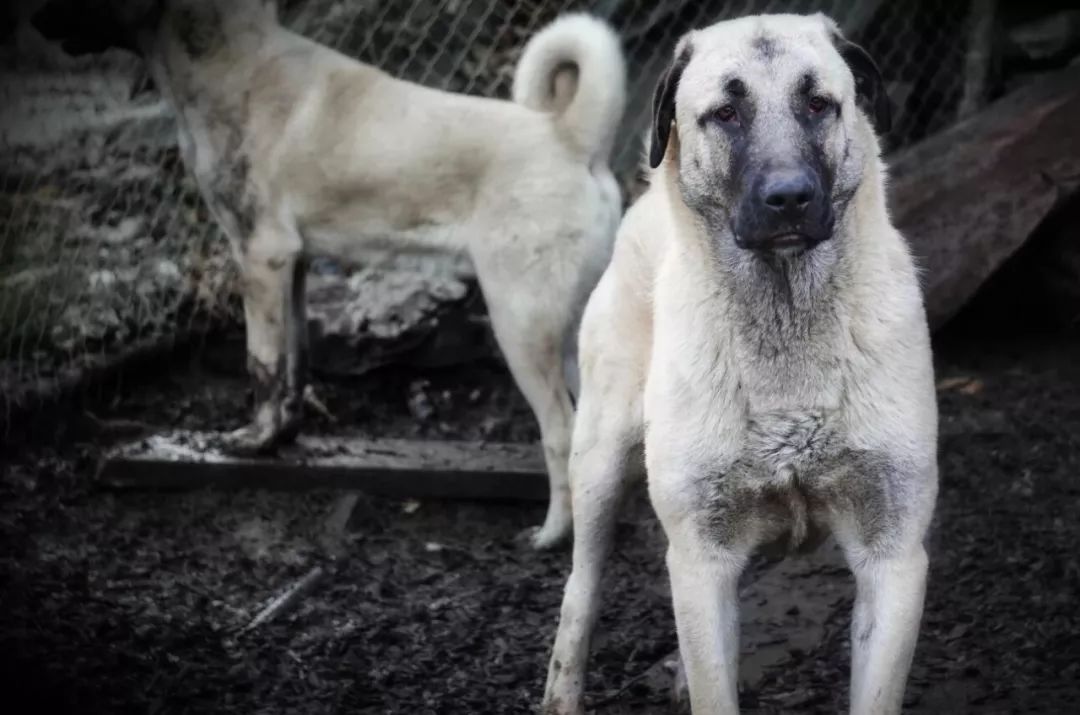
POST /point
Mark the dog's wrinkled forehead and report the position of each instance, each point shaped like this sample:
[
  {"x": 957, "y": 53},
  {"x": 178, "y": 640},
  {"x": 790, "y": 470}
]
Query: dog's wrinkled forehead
[{"x": 767, "y": 57}]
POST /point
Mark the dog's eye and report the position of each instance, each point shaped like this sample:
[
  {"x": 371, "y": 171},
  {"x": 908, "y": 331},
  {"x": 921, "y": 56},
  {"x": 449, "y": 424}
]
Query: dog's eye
[
  {"x": 726, "y": 113},
  {"x": 817, "y": 104}
]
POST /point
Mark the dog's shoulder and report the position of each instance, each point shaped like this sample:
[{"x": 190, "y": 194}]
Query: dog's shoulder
[
  {"x": 619, "y": 313},
  {"x": 644, "y": 236},
  {"x": 891, "y": 397},
  {"x": 882, "y": 295}
]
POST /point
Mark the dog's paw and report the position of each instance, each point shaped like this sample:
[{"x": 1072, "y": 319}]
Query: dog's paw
[
  {"x": 680, "y": 691},
  {"x": 544, "y": 538},
  {"x": 557, "y": 527},
  {"x": 556, "y": 704},
  {"x": 251, "y": 441}
]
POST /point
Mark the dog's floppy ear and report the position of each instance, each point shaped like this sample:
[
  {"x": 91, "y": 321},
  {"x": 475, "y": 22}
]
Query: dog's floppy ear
[
  {"x": 869, "y": 85},
  {"x": 664, "y": 105}
]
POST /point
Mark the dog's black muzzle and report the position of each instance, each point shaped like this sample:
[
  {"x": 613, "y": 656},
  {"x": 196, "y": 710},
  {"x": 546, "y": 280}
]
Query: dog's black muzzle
[{"x": 784, "y": 209}]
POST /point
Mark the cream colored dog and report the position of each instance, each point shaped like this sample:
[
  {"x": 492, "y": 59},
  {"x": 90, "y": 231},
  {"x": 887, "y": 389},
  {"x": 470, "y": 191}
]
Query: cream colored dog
[
  {"x": 760, "y": 332},
  {"x": 302, "y": 151}
]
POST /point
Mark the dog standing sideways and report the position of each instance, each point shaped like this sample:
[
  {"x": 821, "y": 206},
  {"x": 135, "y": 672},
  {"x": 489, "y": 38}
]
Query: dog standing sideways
[
  {"x": 301, "y": 151},
  {"x": 760, "y": 332}
]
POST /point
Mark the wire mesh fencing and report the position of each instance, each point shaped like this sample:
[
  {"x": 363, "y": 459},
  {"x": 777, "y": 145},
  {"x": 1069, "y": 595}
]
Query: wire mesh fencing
[
  {"x": 106, "y": 248},
  {"x": 472, "y": 46}
]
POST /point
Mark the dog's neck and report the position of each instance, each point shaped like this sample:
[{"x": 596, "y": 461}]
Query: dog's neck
[
  {"x": 781, "y": 304},
  {"x": 781, "y": 308}
]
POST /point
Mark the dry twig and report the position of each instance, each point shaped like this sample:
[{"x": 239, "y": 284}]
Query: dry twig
[{"x": 288, "y": 599}]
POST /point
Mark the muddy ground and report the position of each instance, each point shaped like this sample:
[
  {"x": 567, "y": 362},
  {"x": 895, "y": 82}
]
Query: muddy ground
[{"x": 135, "y": 602}]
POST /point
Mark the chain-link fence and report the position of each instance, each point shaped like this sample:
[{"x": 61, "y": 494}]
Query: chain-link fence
[
  {"x": 472, "y": 46},
  {"x": 106, "y": 248}
]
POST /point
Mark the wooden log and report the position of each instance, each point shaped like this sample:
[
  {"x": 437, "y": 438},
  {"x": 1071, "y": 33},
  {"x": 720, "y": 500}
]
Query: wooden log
[
  {"x": 969, "y": 197},
  {"x": 979, "y": 59},
  {"x": 387, "y": 467}
]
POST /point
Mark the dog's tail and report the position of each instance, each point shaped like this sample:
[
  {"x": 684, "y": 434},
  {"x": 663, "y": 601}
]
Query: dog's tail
[{"x": 574, "y": 68}]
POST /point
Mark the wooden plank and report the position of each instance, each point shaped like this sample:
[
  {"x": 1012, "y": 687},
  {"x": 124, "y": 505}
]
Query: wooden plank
[{"x": 389, "y": 467}]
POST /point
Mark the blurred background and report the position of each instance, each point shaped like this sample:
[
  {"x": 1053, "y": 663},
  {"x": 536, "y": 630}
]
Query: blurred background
[{"x": 119, "y": 318}]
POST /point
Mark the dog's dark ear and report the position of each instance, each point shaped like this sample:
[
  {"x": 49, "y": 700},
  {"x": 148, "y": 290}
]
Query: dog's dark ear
[
  {"x": 664, "y": 105},
  {"x": 869, "y": 85}
]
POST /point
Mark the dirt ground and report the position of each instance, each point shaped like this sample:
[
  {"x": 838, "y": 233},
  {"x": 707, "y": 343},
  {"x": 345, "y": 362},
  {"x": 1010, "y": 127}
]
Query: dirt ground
[{"x": 118, "y": 602}]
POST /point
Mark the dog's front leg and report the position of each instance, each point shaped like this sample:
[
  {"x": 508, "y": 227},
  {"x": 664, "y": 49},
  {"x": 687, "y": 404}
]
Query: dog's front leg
[
  {"x": 881, "y": 530},
  {"x": 704, "y": 591},
  {"x": 885, "y": 626},
  {"x": 598, "y": 475},
  {"x": 710, "y": 520},
  {"x": 270, "y": 261},
  {"x": 297, "y": 355}
]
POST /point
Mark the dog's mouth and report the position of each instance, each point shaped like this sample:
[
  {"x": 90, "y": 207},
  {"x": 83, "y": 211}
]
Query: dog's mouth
[{"x": 785, "y": 242}]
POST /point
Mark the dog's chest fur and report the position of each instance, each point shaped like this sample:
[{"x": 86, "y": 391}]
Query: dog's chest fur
[
  {"x": 789, "y": 398},
  {"x": 773, "y": 403},
  {"x": 786, "y": 340},
  {"x": 778, "y": 480}
]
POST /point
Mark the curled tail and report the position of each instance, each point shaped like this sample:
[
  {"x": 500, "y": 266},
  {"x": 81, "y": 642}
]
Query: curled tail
[{"x": 574, "y": 68}]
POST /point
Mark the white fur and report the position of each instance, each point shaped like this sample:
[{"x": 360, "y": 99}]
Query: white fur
[
  {"x": 674, "y": 359},
  {"x": 593, "y": 112}
]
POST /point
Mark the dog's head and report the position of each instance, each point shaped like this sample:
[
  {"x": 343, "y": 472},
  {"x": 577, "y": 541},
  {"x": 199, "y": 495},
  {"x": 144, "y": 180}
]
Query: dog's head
[{"x": 763, "y": 119}]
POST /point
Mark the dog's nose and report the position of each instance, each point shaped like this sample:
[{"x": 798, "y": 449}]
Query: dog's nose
[{"x": 787, "y": 192}]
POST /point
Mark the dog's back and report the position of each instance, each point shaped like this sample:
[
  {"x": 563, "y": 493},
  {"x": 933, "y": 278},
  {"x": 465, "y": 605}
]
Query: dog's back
[
  {"x": 338, "y": 132},
  {"x": 372, "y": 161}
]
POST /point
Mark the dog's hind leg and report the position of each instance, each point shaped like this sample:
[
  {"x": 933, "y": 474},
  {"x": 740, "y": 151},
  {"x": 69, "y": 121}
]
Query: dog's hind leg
[
  {"x": 885, "y": 626},
  {"x": 532, "y": 348},
  {"x": 529, "y": 320},
  {"x": 271, "y": 271}
]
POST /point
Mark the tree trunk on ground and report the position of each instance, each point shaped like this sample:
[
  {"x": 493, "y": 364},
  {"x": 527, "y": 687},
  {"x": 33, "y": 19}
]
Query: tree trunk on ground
[{"x": 969, "y": 197}]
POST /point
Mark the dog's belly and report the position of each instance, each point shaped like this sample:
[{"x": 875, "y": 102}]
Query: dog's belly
[{"x": 359, "y": 242}]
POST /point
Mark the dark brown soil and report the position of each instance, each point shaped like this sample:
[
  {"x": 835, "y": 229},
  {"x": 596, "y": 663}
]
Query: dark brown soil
[{"x": 134, "y": 602}]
